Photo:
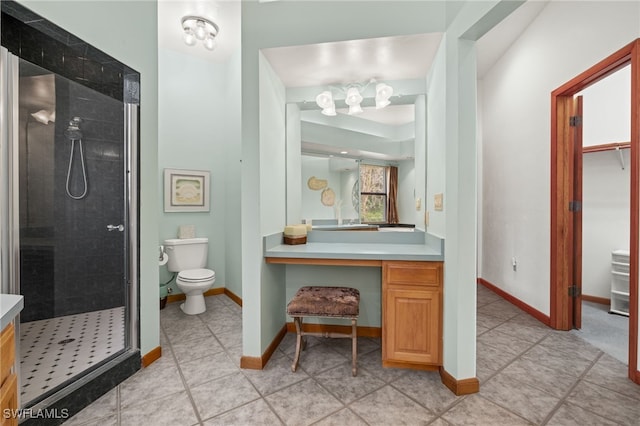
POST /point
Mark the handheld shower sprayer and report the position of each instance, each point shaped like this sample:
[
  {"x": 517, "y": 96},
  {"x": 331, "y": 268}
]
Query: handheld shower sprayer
[
  {"x": 73, "y": 130},
  {"x": 74, "y": 134}
]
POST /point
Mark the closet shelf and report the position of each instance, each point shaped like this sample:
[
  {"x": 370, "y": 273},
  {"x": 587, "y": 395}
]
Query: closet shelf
[{"x": 619, "y": 282}]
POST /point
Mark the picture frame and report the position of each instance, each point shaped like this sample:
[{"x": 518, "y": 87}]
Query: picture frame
[{"x": 186, "y": 190}]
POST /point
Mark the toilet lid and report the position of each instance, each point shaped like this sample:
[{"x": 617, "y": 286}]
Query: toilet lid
[{"x": 196, "y": 275}]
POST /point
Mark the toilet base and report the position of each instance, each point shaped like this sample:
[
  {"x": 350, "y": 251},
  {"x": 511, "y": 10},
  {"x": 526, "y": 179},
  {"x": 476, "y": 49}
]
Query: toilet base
[{"x": 194, "y": 304}]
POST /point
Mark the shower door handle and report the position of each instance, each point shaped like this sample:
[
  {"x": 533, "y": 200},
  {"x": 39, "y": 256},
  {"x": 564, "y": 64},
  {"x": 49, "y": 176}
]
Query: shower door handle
[{"x": 115, "y": 228}]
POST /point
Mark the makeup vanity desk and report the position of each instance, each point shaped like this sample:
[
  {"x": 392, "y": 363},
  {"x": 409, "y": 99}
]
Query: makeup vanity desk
[{"x": 411, "y": 285}]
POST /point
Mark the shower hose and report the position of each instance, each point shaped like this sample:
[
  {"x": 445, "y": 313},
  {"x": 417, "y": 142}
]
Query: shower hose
[{"x": 84, "y": 170}]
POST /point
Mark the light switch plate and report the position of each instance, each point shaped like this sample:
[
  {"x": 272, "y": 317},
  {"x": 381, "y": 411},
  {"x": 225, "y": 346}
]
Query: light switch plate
[
  {"x": 418, "y": 204},
  {"x": 437, "y": 202}
]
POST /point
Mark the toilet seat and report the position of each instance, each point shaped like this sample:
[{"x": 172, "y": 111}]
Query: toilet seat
[{"x": 193, "y": 276}]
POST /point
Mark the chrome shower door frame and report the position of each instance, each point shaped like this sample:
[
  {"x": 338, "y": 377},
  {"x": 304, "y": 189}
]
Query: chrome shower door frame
[
  {"x": 10, "y": 226},
  {"x": 132, "y": 319},
  {"x": 9, "y": 198}
]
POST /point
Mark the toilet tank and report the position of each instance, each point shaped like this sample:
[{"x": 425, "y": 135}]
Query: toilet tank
[{"x": 186, "y": 253}]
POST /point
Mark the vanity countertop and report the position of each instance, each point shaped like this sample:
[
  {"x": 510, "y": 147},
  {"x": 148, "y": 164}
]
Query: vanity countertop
[
  {"x": 346, "y": 227},
  {"x": 416, "y": 252},
  {"x": 10, "y": 306}
]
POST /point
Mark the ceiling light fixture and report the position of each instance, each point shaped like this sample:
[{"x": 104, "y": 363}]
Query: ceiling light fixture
[
  {"x": 353, "y": 98},
  {"x": 198, "y": 28}
]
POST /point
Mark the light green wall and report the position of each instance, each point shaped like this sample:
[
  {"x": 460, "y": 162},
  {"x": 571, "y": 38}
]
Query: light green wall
[
  {"x": 137, "y": 47},
  {"x": 460, "y": 192},
  {"x": 435, "y": 161},
  {"x": 272, "y": 195},
  {"x": 233, "y": 267},
  {"x": 366, "y": 279},
  {"x": 406, "y": 191},
  {"x": 276, "y": 24},
  {"x": 420, "y": 160},
  {"x": 312, "y": 207},
  {"x": 196, "y": 132},
  {"x": 294, "y": 165}
]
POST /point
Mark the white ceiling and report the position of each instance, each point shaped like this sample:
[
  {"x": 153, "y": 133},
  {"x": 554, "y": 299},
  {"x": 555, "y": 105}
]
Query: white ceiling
[
  {"x": 339, "y": 63},
  {"x": 355, "y": 61},
  {"x": 386, "y": 58}
]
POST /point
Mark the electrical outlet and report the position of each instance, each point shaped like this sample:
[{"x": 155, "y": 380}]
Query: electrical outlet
[
  {"x": 426, "y": 218},
  {"x": 514, "y": 263},
  {"x": 418, "y": 204}
]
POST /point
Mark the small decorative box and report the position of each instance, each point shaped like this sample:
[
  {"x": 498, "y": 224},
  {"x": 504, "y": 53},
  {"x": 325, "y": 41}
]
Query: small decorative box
[
  {"x": 295, "y": 234},
  {"x": 292, "y": 241}
]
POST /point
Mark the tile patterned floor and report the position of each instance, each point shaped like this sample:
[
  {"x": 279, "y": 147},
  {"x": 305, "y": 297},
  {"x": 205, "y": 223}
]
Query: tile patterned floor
[
  {"x": 54, "y": 350},
  {"x": 530, "y": 375}
]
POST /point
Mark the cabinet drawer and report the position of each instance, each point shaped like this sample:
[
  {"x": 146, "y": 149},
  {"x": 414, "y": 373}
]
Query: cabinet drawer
[
  {"x": 7, "y": 352},
  {"x": 413, "y": 273}
]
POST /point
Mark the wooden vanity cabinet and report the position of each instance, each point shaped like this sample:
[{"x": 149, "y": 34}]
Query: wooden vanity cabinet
[
  {"x": 412, "y": 314},
  {"x": 8, "y": 379}
]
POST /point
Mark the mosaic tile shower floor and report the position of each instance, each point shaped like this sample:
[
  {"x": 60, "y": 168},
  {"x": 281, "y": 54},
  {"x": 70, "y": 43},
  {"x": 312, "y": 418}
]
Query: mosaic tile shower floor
[{"x": 56, "y": 349}]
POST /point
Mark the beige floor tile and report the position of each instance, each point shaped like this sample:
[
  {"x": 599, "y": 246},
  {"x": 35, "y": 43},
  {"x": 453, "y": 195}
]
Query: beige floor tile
[
  {"x": 170, "y": 410},
  {"x": 256, "y": 413},
  {"x": 529, "y": 402},
  {"x": 476, "y": 410},
  {"x": 221, "y": 395},
  {"x": 303, "y": 403},
  {"x": 388, "y": 406}
]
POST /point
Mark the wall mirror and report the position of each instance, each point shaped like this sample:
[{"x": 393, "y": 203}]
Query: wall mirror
[
  {"x": 355, "y": 167},
  {"x": 329, "y": 133}
]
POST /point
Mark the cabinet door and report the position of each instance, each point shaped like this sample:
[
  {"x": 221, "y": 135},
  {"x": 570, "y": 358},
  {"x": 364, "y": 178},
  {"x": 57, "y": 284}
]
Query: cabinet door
[
  {"x": 412, "y": 328},
  {"x": 9, "y": 401},
  {"x": 7, "y": 352}
]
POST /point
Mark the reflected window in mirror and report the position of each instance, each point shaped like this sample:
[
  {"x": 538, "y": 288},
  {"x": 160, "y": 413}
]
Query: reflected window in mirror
[{"x": 378, "y": 193}]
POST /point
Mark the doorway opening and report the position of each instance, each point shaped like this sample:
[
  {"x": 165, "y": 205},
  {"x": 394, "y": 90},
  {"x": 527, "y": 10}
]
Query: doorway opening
[{"x": 566, "y": 196}]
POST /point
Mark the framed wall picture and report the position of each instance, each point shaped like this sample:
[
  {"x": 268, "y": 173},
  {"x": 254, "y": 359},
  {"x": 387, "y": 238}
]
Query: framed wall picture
[{"x": 186, "y": 190}]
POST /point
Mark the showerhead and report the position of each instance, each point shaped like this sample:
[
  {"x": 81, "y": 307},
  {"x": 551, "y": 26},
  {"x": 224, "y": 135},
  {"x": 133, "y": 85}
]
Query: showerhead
[
  {"x": 73, "y": 131},
  {"x": 45, "y": 117}
]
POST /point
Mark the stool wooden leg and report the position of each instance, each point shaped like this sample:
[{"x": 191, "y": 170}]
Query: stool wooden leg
[
  {"x": 354, "y": 347},
  {"x": 300, "y": 343}
]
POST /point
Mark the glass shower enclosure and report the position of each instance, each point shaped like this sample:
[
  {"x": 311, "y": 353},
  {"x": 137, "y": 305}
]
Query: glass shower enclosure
[{"x": 69, "y": 224}]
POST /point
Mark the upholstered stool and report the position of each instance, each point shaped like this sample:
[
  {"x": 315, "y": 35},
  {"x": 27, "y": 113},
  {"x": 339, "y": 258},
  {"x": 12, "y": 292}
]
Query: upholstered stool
[{"x": 334, "y": 302}]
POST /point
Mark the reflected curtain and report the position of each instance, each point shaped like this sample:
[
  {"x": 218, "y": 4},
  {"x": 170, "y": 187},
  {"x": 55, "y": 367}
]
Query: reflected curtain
[{"x": 392, "y": 194}]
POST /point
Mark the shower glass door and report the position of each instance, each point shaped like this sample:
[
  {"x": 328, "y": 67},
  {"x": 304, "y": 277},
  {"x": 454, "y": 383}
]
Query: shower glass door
[{"x": 73, "y": 233}]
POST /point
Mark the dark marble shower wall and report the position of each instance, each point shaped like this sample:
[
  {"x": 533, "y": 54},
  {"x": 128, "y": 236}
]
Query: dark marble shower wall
[
  {"x": 75, "y": 265},
  {"x": 89, "y": 260}
]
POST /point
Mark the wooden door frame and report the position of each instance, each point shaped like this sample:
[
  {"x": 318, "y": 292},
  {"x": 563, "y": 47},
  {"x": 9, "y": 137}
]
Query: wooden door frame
[{"x": 562, "y": 192}]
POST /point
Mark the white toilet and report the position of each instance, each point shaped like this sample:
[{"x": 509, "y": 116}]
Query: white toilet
[{"x": 188, "y": 257}]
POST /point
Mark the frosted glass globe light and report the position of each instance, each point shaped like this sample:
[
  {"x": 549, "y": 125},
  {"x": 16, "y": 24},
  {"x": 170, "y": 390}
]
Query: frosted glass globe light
[
  {"x": 324, "y": 99},
  {"x": 201, "y": 30},
  {"x": 189, "y": 37},
  {"x": 353, "y": 97},
  {"x": 210, "y": 42},
  {"x": 355, "y": 109},
  {"x": 329, "y": 111}
]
